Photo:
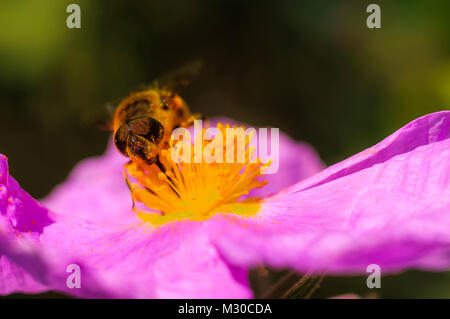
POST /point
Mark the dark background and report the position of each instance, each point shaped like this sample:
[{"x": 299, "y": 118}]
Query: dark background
[{"x": 311, "y": 68}]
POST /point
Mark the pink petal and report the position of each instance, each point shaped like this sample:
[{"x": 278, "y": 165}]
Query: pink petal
[
  {"x": 28, "y": 267},
  {"x": 14, "y": 219},
  {"x": 20, "y": 212},
  {"x": 14, "y": 278},
  {"x": 298, "y": 161},
  {"x": 175, "y": 261},
  {"x": 24, "y": 265},
  {"x": 388, "y": 205}
]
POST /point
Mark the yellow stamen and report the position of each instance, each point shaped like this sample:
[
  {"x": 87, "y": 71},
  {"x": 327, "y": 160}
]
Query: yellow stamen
[{"x": 197, "y": 190}]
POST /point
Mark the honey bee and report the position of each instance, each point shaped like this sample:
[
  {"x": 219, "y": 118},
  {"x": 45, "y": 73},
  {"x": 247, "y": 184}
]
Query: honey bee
[{"x": 143, "y": 122}]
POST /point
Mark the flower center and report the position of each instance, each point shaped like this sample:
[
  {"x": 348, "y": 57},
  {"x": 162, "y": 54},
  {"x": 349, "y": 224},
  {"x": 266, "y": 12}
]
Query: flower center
[{"x": 210, "y": 180}]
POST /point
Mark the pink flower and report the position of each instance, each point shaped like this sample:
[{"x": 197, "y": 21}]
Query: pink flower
[{"x": 388, "y": 205}]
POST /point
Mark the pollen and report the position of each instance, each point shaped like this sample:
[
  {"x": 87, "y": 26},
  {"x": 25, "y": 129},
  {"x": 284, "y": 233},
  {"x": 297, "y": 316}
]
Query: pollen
[{"x": 210, "y": 180}]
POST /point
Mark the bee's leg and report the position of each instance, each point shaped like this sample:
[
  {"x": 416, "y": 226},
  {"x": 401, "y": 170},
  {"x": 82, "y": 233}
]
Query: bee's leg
[
  {"x": 127, "y": 180},
  {"x": 160, "y": 165}
]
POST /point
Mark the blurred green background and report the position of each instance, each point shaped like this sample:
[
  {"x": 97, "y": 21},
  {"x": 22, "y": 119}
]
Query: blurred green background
[{"x": 311, "y": 68}]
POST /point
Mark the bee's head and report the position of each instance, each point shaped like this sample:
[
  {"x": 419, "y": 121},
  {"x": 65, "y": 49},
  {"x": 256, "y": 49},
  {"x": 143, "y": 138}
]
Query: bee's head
[{"x": 140, "y": 139}]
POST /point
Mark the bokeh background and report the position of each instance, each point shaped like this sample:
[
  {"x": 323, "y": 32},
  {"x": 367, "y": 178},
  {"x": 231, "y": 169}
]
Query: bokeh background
[{"x": 311, "y": 68}]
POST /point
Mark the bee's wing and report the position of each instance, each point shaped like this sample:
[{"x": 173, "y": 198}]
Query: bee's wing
[
  {"x": 101, "y": 117},
  {"x": 181, "y": 77},
  {"x": 176, "y": 79}
]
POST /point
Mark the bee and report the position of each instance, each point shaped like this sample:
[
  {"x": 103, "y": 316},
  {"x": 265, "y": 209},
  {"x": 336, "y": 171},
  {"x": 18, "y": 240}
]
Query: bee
[{"x": 143, "y": 122}]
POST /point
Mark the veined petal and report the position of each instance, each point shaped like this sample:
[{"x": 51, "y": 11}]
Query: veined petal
[
  {"x": 26, "y": 266},
  {"x": 13, "y": 277},
  {"x": 388, "y": 205},
  {"x": 175, "y": 261}
]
